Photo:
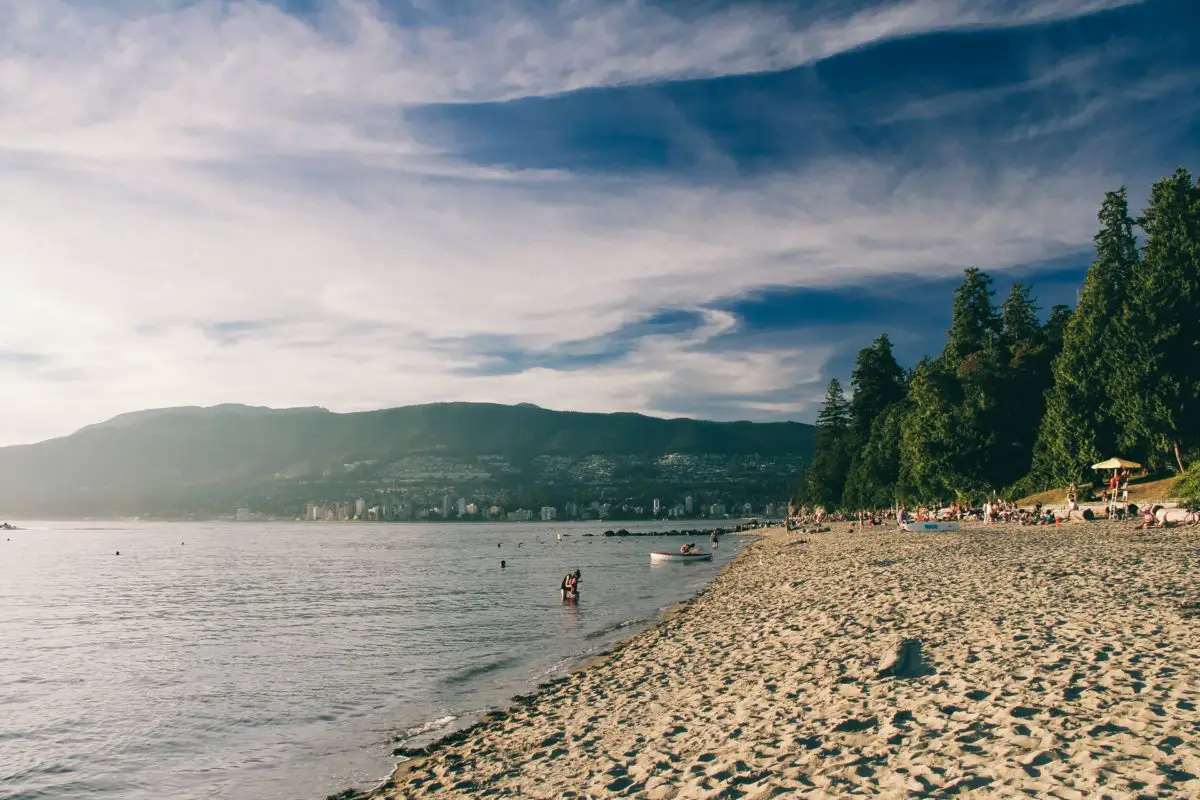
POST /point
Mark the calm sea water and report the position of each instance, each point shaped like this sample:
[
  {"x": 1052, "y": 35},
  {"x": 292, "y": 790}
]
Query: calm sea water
[{"x": 257, "y": 661}]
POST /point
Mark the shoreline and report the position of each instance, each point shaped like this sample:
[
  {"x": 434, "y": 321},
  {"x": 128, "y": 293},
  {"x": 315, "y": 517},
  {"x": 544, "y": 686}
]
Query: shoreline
[
  {"x": 997, "y": 660},
  {"x": 413, "y": 756}
]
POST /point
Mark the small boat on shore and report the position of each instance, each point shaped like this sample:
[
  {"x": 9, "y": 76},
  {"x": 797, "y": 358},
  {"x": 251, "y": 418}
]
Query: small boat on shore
[
  {"x": 660, "y": 557},
  {"x": 930, "y": 526}
]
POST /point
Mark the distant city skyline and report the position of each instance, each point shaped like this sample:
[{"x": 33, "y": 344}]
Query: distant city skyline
[{"x": 678, "y": 209}]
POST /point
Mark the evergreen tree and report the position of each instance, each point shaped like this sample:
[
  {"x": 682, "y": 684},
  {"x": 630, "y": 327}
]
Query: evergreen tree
[
  {"x": 873, "y": 480},
  {"x": 825, "y": 477},
  {"x": 974, "y": 325},
  {"x": 979, "y": 420},
  {"x": 878, "y": 383},
  {"x": 1160, "y": 394},
  {"x": 1018, "y": 318},
  {"x": 1030, "y": 349},
  {"x": 1080, "y": 422},
  {"x": 1055, "y": 328},
  {"x": 929, "y": 442}
]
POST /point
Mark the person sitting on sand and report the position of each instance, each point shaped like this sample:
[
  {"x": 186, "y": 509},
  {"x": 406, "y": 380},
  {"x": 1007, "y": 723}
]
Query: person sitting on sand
[
  {"x": 1072, "y": 503},
  {"x": 1150, "y": 518}
]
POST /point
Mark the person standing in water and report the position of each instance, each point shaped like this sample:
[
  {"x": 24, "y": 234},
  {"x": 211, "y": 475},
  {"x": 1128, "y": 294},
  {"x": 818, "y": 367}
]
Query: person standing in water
[{"x": 569, "y": 590}]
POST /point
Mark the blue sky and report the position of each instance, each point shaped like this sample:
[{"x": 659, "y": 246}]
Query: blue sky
[{"x": 698, "y": 209}]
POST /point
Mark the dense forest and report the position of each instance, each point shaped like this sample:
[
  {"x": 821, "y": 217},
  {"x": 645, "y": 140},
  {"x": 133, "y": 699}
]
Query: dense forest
[{"x": 1015, "y": 404}]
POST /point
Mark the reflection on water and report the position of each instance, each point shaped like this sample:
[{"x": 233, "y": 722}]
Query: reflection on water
[{"x": 274, "y": 660}]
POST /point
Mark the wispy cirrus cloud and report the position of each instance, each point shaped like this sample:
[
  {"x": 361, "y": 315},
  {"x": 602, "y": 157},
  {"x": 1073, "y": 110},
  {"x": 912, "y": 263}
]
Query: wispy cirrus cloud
[{"x": 175, "y": 172}]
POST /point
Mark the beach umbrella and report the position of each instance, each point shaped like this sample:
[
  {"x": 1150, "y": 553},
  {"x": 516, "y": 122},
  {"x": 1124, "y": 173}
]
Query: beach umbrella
[{"x": 1115, "y": 463}]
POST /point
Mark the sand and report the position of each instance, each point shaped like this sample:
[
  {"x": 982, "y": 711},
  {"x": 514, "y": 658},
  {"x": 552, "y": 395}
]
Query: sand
[{"x": 1039, "y": 662}]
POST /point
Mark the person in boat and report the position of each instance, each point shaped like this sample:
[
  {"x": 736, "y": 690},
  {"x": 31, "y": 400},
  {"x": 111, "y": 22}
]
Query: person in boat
[{"x": 688, "y": 549}]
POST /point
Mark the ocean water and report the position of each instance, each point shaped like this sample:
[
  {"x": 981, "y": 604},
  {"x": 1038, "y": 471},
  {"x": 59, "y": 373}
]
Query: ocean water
[{"x": 277, "y": 660}]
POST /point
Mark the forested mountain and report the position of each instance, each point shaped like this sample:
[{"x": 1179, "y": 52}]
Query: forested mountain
[
  {"x": 179, "y": 459},
  {"x": 1014, "y": 404}
]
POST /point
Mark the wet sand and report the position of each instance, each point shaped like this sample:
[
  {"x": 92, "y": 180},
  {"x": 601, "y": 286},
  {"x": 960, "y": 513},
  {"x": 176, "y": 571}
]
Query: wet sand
[{"x": 1039, "y": 662}]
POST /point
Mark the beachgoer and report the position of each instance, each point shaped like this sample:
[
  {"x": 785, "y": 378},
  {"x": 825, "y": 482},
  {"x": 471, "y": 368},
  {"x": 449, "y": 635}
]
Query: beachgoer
[
  {"x": 1072, "y": 494},
  {"x": 1149, "y": 518}
]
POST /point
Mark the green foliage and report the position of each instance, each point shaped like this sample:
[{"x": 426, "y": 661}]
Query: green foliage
[
  {"x": 975, "y": 325},
  {"x": 824, "y": 479},
  {"x": 1019, "y": 405},
  {"x": 1081, "y": 421},
  {"x": 878, "y": 384},
  {"x": 931, "y": 447},
  {"x": 874, "y": 477},
  {"x": 875, "y": 412},
  {"x": 1187, "y": 485},
  {"x": 1160, "y": 392},
  {"x": 1018, "y": 318}
]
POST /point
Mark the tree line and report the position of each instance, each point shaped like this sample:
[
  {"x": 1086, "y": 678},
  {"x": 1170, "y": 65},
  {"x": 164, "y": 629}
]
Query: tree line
[{"x": 1015, "y": 404}]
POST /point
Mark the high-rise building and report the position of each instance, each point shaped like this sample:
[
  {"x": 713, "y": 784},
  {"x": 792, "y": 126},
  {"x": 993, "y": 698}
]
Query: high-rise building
[
  {"x": 657, "y": 506},
  {"x": 360, "y": 507},
  {"x": 549, "y": 513},
  {"x": 462, "y": 506},
  {"x": 687, "y": 504},
  {"x": 446, "y": 506}
]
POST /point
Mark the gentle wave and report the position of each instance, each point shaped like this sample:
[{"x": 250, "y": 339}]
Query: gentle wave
[
  {"x": 275, "y": 660},
  {"x": 605, "y": 631}
]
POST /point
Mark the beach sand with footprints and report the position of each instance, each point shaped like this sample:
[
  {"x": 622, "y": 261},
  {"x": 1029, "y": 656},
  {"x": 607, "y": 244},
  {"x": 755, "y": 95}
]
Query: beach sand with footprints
[{"x": 997, "y": 661}]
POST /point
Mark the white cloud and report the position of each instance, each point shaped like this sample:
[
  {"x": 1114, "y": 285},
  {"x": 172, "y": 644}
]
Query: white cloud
[{"x": 138, "y": 191}]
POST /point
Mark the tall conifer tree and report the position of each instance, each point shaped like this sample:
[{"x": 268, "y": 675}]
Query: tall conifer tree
[
  {"x": 825, "y": 477},
  {"x": 1080, "y": 424},
  {"x": 1160, "y": 394}
]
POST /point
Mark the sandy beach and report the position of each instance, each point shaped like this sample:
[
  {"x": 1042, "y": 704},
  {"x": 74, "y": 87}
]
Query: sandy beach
[{"x": 1040, "y": 662}]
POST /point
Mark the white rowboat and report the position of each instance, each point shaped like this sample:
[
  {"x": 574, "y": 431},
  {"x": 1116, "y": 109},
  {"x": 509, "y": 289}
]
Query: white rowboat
[
  {"x": 930, "y": 526},
  {"x": 660, "y": 557}
]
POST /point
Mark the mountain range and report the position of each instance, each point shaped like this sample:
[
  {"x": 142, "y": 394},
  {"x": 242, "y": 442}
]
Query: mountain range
[{"x": 191, "y": 460}]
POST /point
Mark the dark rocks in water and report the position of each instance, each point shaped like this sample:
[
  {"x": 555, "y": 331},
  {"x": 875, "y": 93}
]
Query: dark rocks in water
[{"x": 694, "y": 532}]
